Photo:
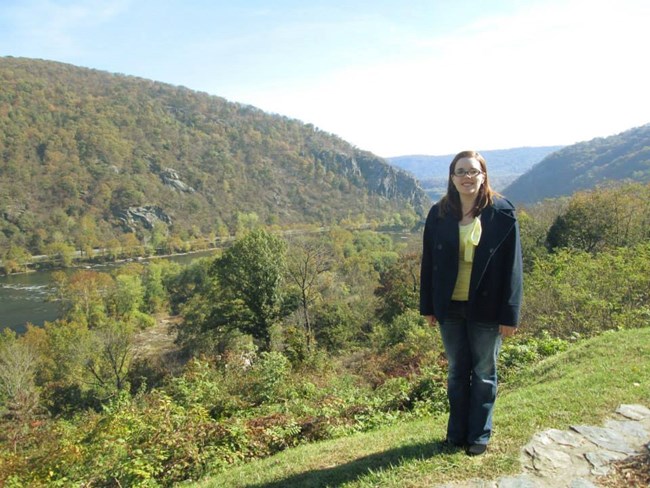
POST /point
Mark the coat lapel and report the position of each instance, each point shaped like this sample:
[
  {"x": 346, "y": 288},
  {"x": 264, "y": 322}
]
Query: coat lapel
[{"x": 496, "y": 226}]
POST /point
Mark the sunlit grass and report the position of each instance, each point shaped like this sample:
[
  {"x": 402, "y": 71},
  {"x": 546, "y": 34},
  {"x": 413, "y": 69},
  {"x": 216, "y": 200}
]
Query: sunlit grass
[{"x": 583, "y": 385}]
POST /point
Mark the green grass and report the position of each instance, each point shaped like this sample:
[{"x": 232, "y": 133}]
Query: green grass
[{"x": 580, "y": 386}]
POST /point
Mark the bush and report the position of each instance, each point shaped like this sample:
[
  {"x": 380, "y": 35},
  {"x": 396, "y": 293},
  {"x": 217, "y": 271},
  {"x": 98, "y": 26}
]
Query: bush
[
  {"x": 573, "y": 293},
  {"x": 269, "y": 378}
]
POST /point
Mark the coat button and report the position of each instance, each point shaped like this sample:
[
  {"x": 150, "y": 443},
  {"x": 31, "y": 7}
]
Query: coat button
[
  {"x": 439, "y": 247},
  {"x": 491, "y": 250}
]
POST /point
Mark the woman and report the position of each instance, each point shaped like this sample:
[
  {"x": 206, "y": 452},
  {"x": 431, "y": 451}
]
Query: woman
[{"x": 471, "y": 284}]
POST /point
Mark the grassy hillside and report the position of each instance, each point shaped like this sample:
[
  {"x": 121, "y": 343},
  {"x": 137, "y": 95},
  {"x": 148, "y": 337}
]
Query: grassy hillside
[
  {"x": 603, "y": 372},
  {"x": 621, "y": 157},
  {"x": 88, "y": 156}
]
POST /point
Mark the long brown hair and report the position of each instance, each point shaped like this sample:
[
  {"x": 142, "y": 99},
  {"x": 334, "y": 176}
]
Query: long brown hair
[{"x": 450, "y": 203}]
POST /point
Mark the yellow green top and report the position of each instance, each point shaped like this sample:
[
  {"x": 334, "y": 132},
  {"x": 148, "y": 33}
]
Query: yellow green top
[{"x": 470, "y": 235}]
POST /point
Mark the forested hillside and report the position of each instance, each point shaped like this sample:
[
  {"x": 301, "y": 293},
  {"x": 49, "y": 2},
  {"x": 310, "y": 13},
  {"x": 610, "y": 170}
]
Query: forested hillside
[
  {"x": 625, "y": 156},
  {"x": 505, "y": 165},
  {"x": 90, "y": 158}
]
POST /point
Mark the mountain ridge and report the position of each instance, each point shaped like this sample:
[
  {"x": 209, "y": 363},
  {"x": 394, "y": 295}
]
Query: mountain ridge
[
  {"x": 81, "y": 148},
  {"x": 585, "y": 165}
]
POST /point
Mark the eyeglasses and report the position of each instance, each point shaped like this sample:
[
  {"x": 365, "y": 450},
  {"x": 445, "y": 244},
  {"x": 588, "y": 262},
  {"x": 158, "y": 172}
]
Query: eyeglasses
[{"x": 472, "y": 172}]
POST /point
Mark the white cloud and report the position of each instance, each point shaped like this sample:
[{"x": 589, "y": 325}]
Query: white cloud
[{"x": 556, "y": 73}]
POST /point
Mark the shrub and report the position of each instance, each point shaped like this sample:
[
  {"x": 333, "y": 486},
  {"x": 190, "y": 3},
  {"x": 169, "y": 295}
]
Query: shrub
[
  {"x": 269, "y": 378},
  {"x": 574, "y": 293}
]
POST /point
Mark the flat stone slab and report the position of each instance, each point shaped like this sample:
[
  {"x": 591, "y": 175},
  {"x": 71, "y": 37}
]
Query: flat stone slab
[
  {"x": 581, "y": 483},
  {"x": 555, "y": 436},
  {"x": 629, "y": 429},
  {"x": 605, "y": 438},
  {"x": 634, "y": 412},
  {"x": 547, "y": 459},
  {"x": 521, "y": 481},
  {"x": 602, "y": 460}
]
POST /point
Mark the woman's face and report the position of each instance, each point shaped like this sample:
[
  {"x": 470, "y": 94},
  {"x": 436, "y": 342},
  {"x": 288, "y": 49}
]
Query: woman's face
[{"x": 466, "y": 184}]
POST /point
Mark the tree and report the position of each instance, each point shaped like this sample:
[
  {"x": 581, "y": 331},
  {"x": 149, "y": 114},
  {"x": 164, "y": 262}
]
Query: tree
[
  {"x": 604, "y": 218},
  {"x": 250, "y": 275},
  {"x": 306, "y": 262},
  {"x": 399, "y": 287},
  {"x": 19, "y": 396},
  {"x": 16, "y": 259},
  {"x": 83, "y": 295},
  {"x": 109, "y": 365},
  {"x": 60, "y": 253},
  {"x": 155, "y": 294},
  {"x": 126, "y": 297}
]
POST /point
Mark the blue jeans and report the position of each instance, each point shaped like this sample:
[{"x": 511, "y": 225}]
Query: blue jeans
[{"x": 472, "y": 349}]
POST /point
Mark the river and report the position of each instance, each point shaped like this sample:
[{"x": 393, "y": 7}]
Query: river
[{"x": 24, "y": 297}]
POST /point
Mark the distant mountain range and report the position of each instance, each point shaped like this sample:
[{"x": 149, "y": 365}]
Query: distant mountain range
[
  {"x": 527, "y": 175},
  {"x": 504, "y": 166},
  {"x": 91, "y": 156},
  {"x": 600, "y": 161}
]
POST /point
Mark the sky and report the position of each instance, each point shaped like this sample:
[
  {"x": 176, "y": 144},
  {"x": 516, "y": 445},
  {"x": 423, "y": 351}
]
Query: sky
[{"x": 394, "y": 77}]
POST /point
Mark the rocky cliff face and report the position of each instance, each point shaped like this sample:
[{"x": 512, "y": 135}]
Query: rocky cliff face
[{"x": 364, "y": 168}]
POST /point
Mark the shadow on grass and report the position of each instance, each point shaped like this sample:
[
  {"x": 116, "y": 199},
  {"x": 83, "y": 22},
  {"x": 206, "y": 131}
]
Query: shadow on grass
[{"x": 344, "y": 473}]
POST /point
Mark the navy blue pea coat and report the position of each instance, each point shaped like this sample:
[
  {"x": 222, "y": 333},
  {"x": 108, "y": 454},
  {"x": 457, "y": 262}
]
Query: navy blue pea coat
[{"x": 496, "y": 283}]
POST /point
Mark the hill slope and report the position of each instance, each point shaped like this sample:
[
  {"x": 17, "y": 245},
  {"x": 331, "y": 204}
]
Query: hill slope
[
  {"x": 87, "y": 152},
  {"x": 604, "y": 372},
  {"x": 505, "y": 165},
  {"x": 625, "y": 156}
]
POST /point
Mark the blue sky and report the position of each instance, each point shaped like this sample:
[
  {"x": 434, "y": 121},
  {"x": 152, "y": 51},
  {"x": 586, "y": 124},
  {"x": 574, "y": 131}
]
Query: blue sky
[{"x": 392, "y": 77}]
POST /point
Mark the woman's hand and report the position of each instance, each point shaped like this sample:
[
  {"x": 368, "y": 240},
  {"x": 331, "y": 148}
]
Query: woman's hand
[
  {"x": 431, "y": 320},
  {"x": 507, "y": 331}
]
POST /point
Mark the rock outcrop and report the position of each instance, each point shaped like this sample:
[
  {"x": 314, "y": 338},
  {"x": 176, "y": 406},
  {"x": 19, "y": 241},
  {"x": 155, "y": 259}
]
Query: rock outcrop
[
  {"x": 145, "y": 216},
  {"x": 171, "y": 178}
]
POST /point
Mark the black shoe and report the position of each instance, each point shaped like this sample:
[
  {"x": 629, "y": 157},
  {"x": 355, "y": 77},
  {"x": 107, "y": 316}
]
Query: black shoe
[
  {"x": 454, "y": 445},
  {"x": 476, "y": 449}
]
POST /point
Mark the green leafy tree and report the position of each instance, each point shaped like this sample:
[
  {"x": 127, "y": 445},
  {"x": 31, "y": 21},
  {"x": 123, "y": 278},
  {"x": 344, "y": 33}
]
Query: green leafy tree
[
  {"x": 60, "y": 253},
  {"x": 250, "y": 274},
  {"x": 576, "y": 293},
  {"x": 19, "y": 396},
  {"x": 155, "y": 294},
  {"x": 126, "y": 297},
  {"x": 15, "y": 259},
  {"x": 243, "y": 292},
  {"x": 63, "y": 348}
]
